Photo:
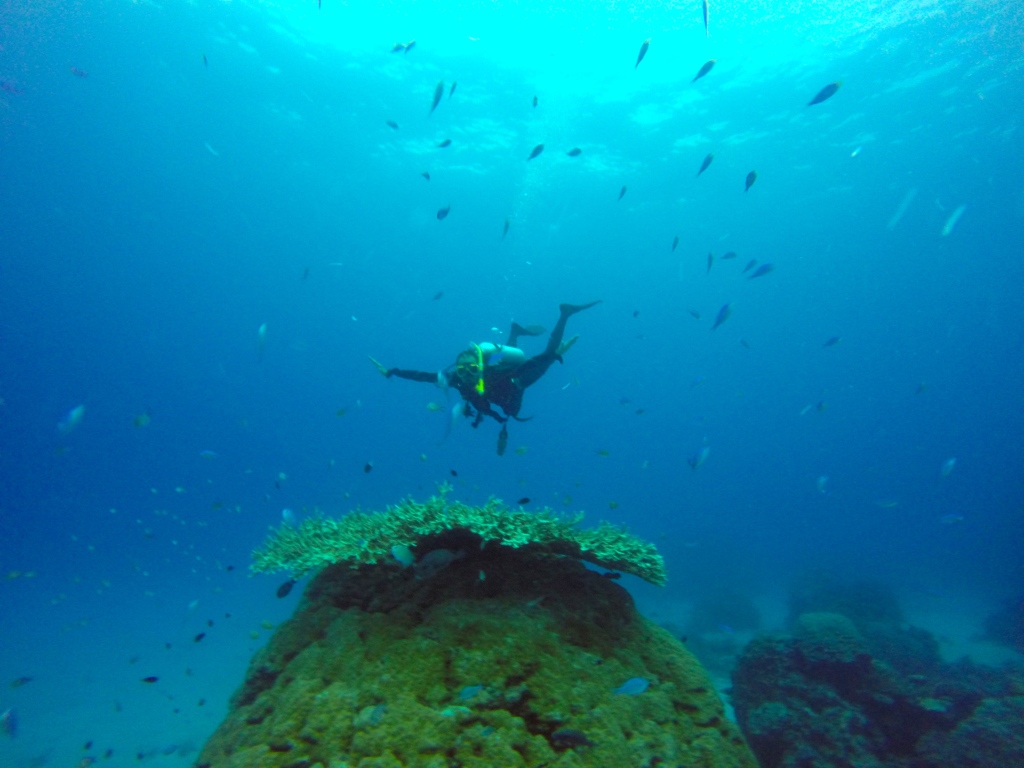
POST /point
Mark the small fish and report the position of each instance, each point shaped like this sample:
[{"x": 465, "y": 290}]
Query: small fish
[
  {"x": 142, "y": 420},
  {"x": 699, "y": 457},
  {"x": 621, "y": 193},
  {"x": 744, "y": 343},
  {"x": 729, "y": 255},
  {"x": 9, "y": 723},
  {"x": 452, "y": 89},
  {"x": 947, "y": 467},
  {"x": 954, "y": 217},
  {"x": 536, "y": 151},
  {"x": 574, "y": 152},
  {"x": 704, "y": 70},
  {"x": 603, "y": 452},
  {"x": 831, "y": 341},
  {"x": 444, "y": 143},
  {"x": 208, "y": 454},
  {"x": 199, "y": 638},
  {"x": 706, "y": 33},
  {"x": 695, "y": 314},
  {"x": 442, "y": 213},
  {"x": 438, "y": 295},
  {"x": 521, "y": 450},
  {"x": 922, "y": 387},
  {"x": 569, "y": 738},
  {"x": 261, "y": 341},
  {"x": 79, "y": 72},
  {"x": 708, "y": 159},
  {"x": 504, "y": 229},
  {"x": 750, "y": 265},
  {"x": 204, "y": 60},
  {"x": 426, "y": 175},
  {"x": 368, "y": 467},
  {"x": 821, "y": 483},
  {"x": 285, "y": 589},
  {"x": 751, "y": 178},
  {"x": 150, "y": 680},
  {"x": 410, "y": 45},
  {"x": 643, "y": 52},
  {"x": 20, "y": 681},
  {"x": 534, "y": 102},
  {"x": 470, "y": 691},
  {"x": 434, "y": 407},
  {"x": 524, "y": 500},
  {"x": 825, "y": 93},
  {"x": 403, "y": 555},
  {"x": 633, "y": 687},
  {"x": 951, "y": 519},
  {"x": 675, "y": 242},
  {"x": 723, "y": 314},
  {"x": 761, "y": 271},
  {"x": 502, "y": 440},
  {"x": 438, "y": 93},
  {"x": 391, "y": 124},
  {"x": 71, "y": 420},
  {"x": 711, "y": 260},
  {"x": 453, "y": 473}
]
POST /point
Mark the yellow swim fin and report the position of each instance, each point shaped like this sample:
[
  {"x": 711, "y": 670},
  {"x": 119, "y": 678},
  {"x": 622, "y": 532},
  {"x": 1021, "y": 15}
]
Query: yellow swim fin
[
  {"x": 381, "y": 368},
  {"x": 565, "y": 346}
]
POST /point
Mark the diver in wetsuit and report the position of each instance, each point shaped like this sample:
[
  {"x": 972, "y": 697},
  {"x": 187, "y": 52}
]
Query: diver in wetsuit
[{"x": 488, "y": 375}]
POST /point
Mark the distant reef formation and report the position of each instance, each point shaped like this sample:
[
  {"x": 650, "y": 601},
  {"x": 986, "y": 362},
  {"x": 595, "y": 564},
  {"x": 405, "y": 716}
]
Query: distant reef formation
[
  {"x": 868, "y": 690},
  {"x": 504, "y": 655}
]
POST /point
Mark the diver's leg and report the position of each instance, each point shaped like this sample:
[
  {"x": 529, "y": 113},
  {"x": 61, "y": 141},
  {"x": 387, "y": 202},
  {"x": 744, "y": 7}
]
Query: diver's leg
[
  {"x": 565, "y": 311},
  {"x": 533, "y": 369}
]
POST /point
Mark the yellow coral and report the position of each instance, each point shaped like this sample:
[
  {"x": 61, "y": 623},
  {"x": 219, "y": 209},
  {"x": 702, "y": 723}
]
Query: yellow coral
[{"x": 362, "y": 538}]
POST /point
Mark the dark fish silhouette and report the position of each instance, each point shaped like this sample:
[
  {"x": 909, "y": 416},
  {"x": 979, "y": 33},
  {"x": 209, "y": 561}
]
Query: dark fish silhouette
[
  {"x": 437, "y": 296},
  {"x": 199, "y": 638},
  {"x": 831, "y": 341},
  {"x": 574, "y": 152},
  {"x": 205, "y": 64},
  {"x": 643, "y": 52},
  {"x": 426, "y": 175},
  {"x": 706, "y": 163},
  {"x": 675, "y": 242},
  {"x": 79, "y": 72},
  {"x": 751, "y": 178},
  {"x": 704, "y": 70},
  {"x": 825, "y": 93},
  {"x": 285, "y": 589},
  {"x": 536, "y": 151},
  {"x": 622, "y": 192},
  {"x": 442, "y": 214},
  {"x": 534, "y": 101},
  {"x": 438, "y": 93},
  {"x": 502, "y": 440},
  {"x": 750, "y": 265},
  {"x": 711, "y": 260},
  {"x": 504, "y": 230},
  {"x": 706, "y": 18},
  {"x": 729, "y": 255},
  {"x": 391, "y": 124},
  {"x": 368, "y": 466},
  {"x": 452, "y": 89},
  {"x": 151, "y": 679},
  {"x": 723, "y": 314},
  {"x": 524, "y": 500},
  {"x": 695, "y": 314},
  {"x": 445, "y": 143},
  {"x": 761, "y": 271}
]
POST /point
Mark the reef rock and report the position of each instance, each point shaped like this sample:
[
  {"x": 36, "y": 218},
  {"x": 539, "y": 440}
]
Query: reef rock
[{"x": 507, "y": 660}]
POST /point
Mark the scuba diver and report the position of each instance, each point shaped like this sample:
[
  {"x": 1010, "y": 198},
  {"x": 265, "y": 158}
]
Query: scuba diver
[{"x": 488, "y": 375}]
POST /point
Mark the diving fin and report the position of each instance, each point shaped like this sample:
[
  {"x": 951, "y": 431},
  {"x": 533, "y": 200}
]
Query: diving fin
[
  {"x": 572, "y": 309},
  {"x": 381, "y": 368},
  {"x": 565, "y": 346},
  {"x": 519, "y": 330}
]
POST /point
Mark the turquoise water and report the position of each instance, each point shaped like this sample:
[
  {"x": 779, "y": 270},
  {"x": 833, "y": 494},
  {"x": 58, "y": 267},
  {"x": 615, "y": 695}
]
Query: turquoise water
[{"x": 175, "y": 177}]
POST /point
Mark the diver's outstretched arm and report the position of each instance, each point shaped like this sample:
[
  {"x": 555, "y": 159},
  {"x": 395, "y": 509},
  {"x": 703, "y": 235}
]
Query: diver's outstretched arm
[{"x": 430, "y": 377}]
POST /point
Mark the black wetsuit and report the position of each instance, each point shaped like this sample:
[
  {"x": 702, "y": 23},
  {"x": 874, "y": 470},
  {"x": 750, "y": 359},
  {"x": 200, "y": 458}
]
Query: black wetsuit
[{"x": 502, "y": 388}]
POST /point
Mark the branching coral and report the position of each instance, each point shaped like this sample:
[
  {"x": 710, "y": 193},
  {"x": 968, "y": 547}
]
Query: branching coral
[{"x": 362, "y": 538}]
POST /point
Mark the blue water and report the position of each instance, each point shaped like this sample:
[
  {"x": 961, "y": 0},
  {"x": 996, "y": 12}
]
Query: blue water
[{"x": 157, "y": 211}]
